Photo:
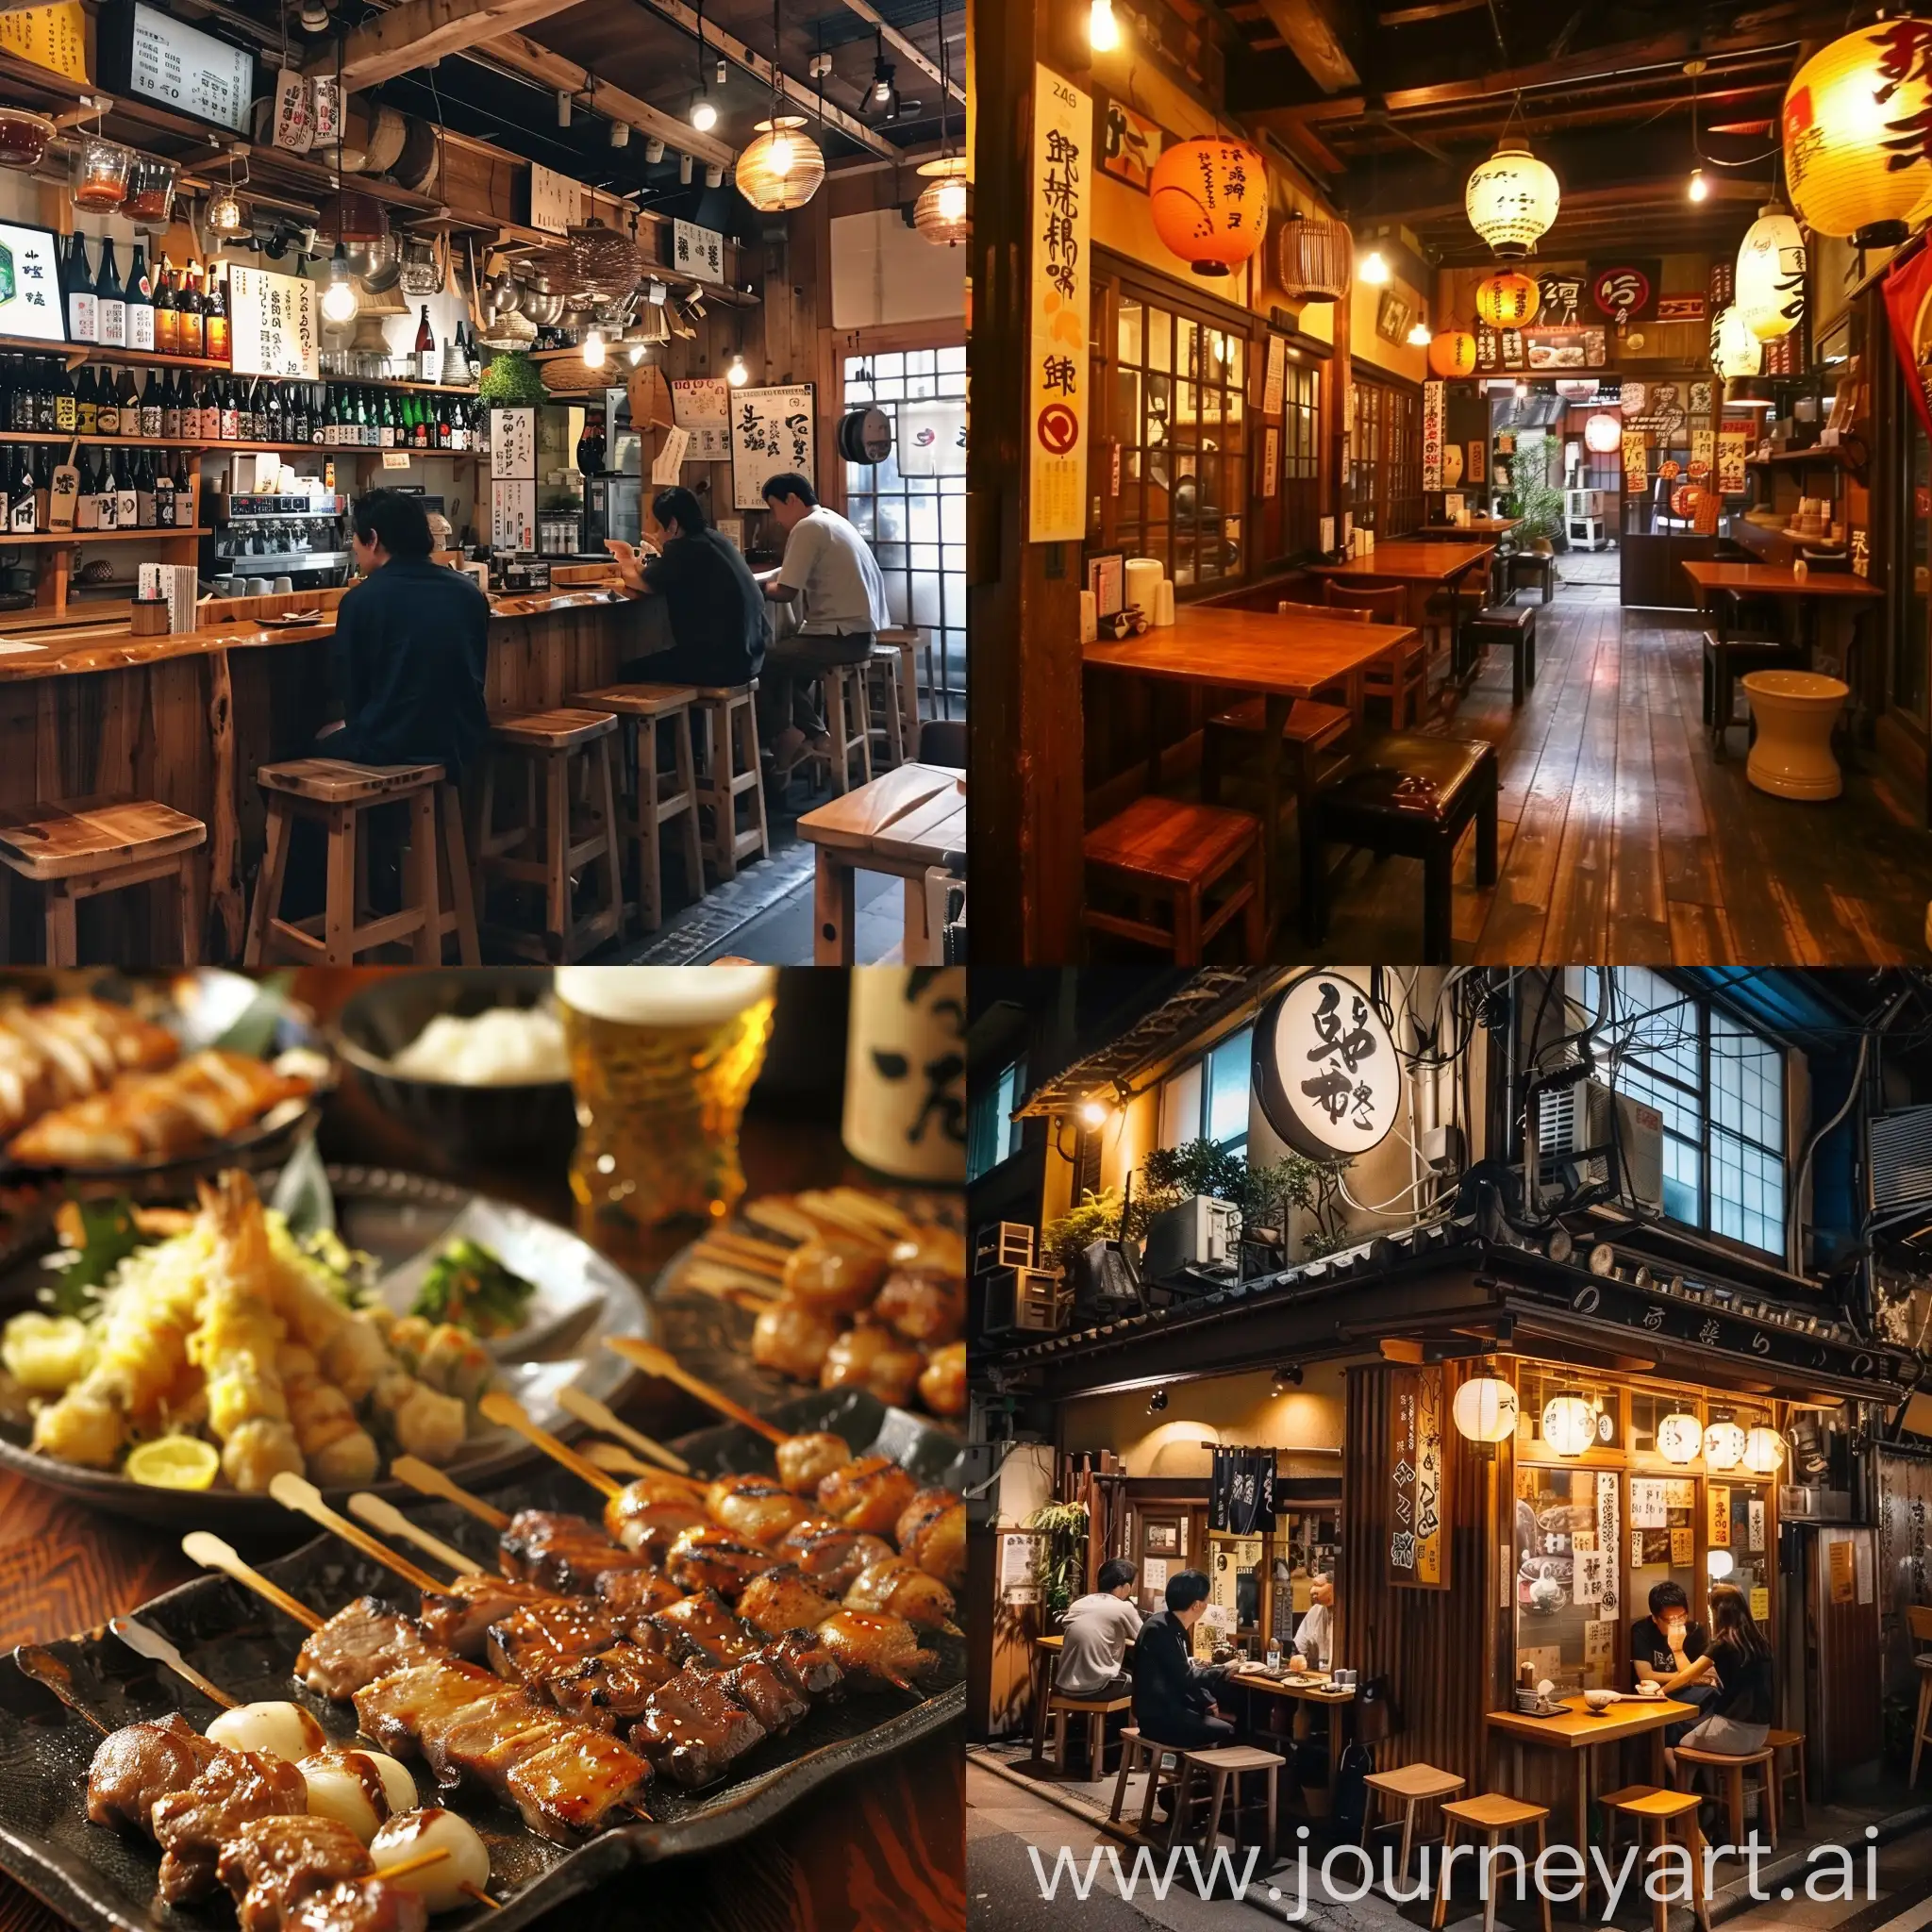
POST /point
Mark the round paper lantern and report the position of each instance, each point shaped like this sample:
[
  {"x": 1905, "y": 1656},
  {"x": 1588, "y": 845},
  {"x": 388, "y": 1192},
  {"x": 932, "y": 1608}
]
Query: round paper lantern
[
  {"x": 1764, "y": 1449},
  {"x": 1724, "y": 1444},
  {"x": 1603, "y": 435},
  {"x": 1485, "y": 1409},
  {"x": 1770, "y": 274},
  {"x": 1569, "y": 1423},
  {"x": 941, "y": 212},
  {"x": 1452, "y": 352},
  {"x": 1734, "y": 350},
  {"x": 1679, "y": 1436},
  {"x": 1507, "y": 300},
  {"x": 1718, "y": 1564},
  {"x": 782, "y": 168},
  {"x": 1852, "y": 148},
  {"x": 1511, "y": 200},
  {"x": 1211, "y": 203}
]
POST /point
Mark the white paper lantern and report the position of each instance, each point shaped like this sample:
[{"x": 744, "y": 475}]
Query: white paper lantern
[
  {"x": 1724, "y": 1444},
  {"x": 1679, "y": 1436},
  {"x": 1764, "y": 1449},
  {"x": 1569, "y": 1423},
  {"x": 1512, "y": 199},
  {"x": 1603, "y": 434},
  {"x": 1734, "y": 350},
  {"x": 1770, "y": 274},
  {"x": 1485, "y": 1409},
  {"x": 1718, "y": 1564}
]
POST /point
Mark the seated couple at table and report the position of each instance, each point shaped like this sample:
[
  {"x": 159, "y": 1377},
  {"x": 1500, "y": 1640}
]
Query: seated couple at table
[{"x": 1728, "y": 1676}]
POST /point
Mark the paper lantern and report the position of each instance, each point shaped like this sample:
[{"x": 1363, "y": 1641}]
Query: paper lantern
[
  {"x": 1718, "y": 1564},
  {"x": 1508, "y": 300},
  {"x": 1723, "y": 1446},
  {"x": 1452, "y": 352},
  {"x": 1764, "y": 1449},
  {"x": 1603, "y": 435},
  {"x": 1313, "y": 256},
  {"x": 1734, "y": 350},
  {"x": 782, "y": 168},
  {"x": 1511, "y": 200},
  {"x": 941, "y": 213},
  {"x": 1485, "y": 1409},
  {"x": 1770, "y": 274},
  {"x": 1569, "y": 1423},
  {"x": 1679, "y": 1436},
  {"x": 1851, "y": 123},
  {"x": 1211, "y": 203}
]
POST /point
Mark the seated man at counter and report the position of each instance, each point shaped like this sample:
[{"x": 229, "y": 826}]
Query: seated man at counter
[
  {"x": 1096, "y": 1632},
  {"x": 1667, "y": 1649},
  {"x": 719, "y": 627},
  {"x": 1173, "y": 1696},
  {"x": 831, "y": 567},
  {"x": 1314, "y": 1635}
]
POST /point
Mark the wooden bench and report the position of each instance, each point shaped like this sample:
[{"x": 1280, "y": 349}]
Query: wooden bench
[
  {"x": 79, "y": 848},
  {"x": 653, "y": 801},
  {"x": 1513, "y": 628},
  {"x": 1166, "y": 849},
  {"x": 1533, "y": 567},
  {"x": 725, "y": 727}
]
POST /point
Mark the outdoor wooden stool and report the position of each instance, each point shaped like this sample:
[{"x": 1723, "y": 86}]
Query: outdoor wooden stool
[
  {"x": 727, "y": 736},
  {"x": 1533, "y": 567},
  {"x": 1137, "y": 1754},
  {"x": 1411, "y": 1786},
  {"x": 79, "y": 848},
  {"x": 1490, "y": 1815},
  {"x": 907, "y": 644},
  {"x": 654, "y": 800},
  {"x": 884, "y": 707},
  {"x": 538, "y": 847},
  {"x": 1407, "y": 796},
  {"x": 1163, "y": 848},
  {"x": 848, "y": 725},
  {"x": 1222, "y": 1766},
  {"x": 1794, "y": 1741},
  {"x": 335, "y": 795},
  {"x": 1648, "y": 1805},
  {"x": 1096, "y": 1710},
  {"x": 1513, "y": 626},
  {"x": 1733, "y": 1768}
]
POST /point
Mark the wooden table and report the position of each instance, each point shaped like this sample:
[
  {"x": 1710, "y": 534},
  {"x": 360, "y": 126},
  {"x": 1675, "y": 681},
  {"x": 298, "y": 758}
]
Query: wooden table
[
  {"x": 880, "y": 1846},
  {"x": 1282, "y": 658},
  {"x": 1318, "y": 1694},
  {"x": 1579, "y": 1733},
  {"x": 1476, "y": 526},
  {"x": 1416, "y": 564},
  {"x": 905, "y": 824}
]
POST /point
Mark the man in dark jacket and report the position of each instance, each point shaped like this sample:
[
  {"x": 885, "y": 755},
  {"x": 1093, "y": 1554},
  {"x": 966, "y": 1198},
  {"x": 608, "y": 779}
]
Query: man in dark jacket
[
  {"x": 1173, "y": 1696},
  {"x": 409, "y": 646},
  {"x": 719, "y": 626}
]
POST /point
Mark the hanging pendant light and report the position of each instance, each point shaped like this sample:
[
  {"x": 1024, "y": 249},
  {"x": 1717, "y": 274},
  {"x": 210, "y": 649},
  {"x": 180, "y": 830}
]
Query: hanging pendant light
[
  {"x": 1679, "y": 1436},
  {"x": 1508, "y": 299},
  {"x": 1452, "y": 352},
  {"x": 1603, "y": 433},
  {"x": 1512, "y": 199},
  {"x": 1209, "y": 201},
  {"x": 1569, "y": 1423},
  {"x": 943, "y": 213},
  {"x": 782, "y": 168},
  {"x": 1485, "y": 1410},
  {"x": 1852, "y": 151},
  {"x": 339, "y": 302},
  {"x": 1764, "y": 1450},
  {"x": 1312, "y": 254},
  {"x": 1724, "y": 1444},
  {"x": 1770, "y": 274}
]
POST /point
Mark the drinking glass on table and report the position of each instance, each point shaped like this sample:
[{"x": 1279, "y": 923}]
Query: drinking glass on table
[{"x": 661, "y": 1061}]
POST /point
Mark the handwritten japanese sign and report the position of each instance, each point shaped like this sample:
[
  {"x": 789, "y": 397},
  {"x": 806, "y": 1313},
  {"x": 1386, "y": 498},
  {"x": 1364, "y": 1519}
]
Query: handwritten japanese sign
[
  {"x": 697, "y": 251},
  {"x": 513, "y": 445},
  {"x": 1731, "y": 446},
  {"x": 773, "y": 430},
  {"x": 703, "y": 406},
  {"x": 29, "y": 285},
  {"x": 275, "y": 327},
  {"x": 1609, "y": 1531},
  {"x": 1326, "y": 1068},
  {"x": 1418, "y": 1548},
  {"x": 556, "y": 200},
  {"x": 50, "y": 37},
  {"x": 1432, "y": 435},
  {"x": 182, "y": 67},
  {"x": 1056, "y": 336},
  {"x": 512, "y": 512}
]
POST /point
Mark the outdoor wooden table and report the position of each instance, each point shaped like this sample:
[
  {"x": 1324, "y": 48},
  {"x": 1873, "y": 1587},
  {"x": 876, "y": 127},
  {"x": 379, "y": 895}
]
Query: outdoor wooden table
[
  {"x": 1254, "y": 651},
  {"x": 1581, "y": 1732},
  {"x": 905, "y": 824},
  {"x": 1310, "y": 1693}
]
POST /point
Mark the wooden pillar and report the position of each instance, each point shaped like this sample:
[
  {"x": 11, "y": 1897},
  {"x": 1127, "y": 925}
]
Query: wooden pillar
[{"x": 1028, "y": 740}]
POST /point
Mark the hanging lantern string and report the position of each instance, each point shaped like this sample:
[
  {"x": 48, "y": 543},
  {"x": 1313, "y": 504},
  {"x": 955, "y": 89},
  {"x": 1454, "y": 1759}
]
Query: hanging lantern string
[{"x": 938, "y": 28}]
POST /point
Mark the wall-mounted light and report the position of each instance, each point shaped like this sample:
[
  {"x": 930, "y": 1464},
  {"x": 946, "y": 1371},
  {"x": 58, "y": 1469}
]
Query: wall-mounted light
[
  {"x": 1156, "y": 1402},
  {"x": 684, "y": 170},
  {"x": 1288, "y": 1375},
  {"x": 620, "y": 134},
  {"x": 654, "y": 150},
  {"x": 1103, "y": 29},
  {"x": 714, "y": 176},
  {"x": 565, "y": 104},
  {"x": 1093, "y": 1113}
]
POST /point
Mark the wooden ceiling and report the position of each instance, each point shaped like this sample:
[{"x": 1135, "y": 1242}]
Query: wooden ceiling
[{"x": 1392, "y": 102}]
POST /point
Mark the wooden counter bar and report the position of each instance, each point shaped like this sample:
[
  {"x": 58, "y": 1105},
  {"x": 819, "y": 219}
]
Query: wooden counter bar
[{"x": 187, "y": 719}]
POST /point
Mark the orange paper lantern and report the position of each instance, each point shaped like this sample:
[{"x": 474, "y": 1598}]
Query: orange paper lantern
[
  {"x": 1507, "y": 299},
  {"x": 1211, "y": 203},
  {"x": 1452, "y": 352}
]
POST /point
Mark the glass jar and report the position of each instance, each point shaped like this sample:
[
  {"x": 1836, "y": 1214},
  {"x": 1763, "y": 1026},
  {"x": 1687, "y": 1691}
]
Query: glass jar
[
  {"x": 100, "y": 173},
  {"x": 23, "y": 138},
  {"x": 150, "y": 190}
]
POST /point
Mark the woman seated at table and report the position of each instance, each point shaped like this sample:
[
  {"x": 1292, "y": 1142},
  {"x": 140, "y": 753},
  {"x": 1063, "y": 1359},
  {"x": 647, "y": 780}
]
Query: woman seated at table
[
  {"x": 1736, "y": 1721},
  {"x": 1667, "y": 1649},
  {"x": 1173, "y": 1696}
]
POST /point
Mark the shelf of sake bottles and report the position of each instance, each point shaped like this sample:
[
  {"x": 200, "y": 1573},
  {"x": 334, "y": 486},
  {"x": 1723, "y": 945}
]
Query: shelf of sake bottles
[
  {"x": 242, "y": 446},
  {"x": 73, "y": 537},
  {"x": 78, "y": 352}
]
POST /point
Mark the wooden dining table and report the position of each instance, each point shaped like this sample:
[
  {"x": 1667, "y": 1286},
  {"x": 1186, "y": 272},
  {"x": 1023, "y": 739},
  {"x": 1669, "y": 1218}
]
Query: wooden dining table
[
  {"x": 1422, "y": 566},
  {"x": 1281, "y": 659}
]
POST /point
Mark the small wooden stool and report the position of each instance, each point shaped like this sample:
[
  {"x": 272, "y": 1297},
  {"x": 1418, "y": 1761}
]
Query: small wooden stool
[
  {"x": 727, "y": 729},
  {"x": 1096, "y": 1710},
  {"x": 907, "y": 642},
  {"x": 334, "y": 793},
  {"x": 1794, "y": 1741},
  {"x": 848, "y": 723},
  {"x": 1762, "y": 1762},
  {"x": 1222, "y": 1766},
  {"x": 1647, "y": 1804},
  {"x": 80, "y": 848},
  {"x": 1491, "y": 1815},
  {"x": 652, "y": 799},
  {"x": 1533, "y": 567},
  {"x": 1139, "y": 1753},
  {"x": 886, "y": 707},
  {"x": 1162, "y": 848},
  {"x": 1411, "y": 1786},
  {"x": 1513, "y": 626},
  {"x": 553, "y": 748}
]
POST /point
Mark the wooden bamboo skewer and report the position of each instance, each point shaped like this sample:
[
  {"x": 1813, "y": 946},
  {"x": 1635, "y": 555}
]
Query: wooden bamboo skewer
[
  {"x": 725, "y": 1282},
  {"x": 202, "y": 1546},
  {"x": 392, "y": 1522},
  {"x": 294, "y": 1492},
  {"x": 417, "y": 1862},
  {"x": 50, "y": 1674},
  {"x": 587, "y": 1408},
  {"x": 755, "y": 1257},
  {"x": 882, "y": 1214},
  {"x": 660, "y": 1362},
  {"x": 507, "y": 1412},
  {"x": 621, "y": 1462},
  {"x": 781, "y": 1218},
  {"x": 153, "y": 1645},
  {"x": 428, "y": 1480}
]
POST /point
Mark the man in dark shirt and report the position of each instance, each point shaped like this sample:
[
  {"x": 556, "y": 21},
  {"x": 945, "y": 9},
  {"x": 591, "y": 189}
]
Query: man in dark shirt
[
  {"x": 1667, "y": 1649},
  {"x": 718, "y": 621},
  {"x": 409, "y": 646},
  {"x": 1173, "y": 1696}
]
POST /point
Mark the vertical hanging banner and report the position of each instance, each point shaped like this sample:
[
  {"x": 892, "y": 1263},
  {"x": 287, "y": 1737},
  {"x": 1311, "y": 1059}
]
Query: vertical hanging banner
[
  {"x": 513, "y": 479},
  {"x": 1732, "y": 445},
  {"x": 1636, "y": 464},
  {"x": 1418, "y": 1550},
  {"x": 274, "y": 325},
  {"x": 1432, "y": 435},
  {"x": 1056, "y": 333}
]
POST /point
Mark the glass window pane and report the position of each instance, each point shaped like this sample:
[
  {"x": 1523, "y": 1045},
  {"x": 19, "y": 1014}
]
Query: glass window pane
[
  {"x": 1228, "y": 1075},
  {"x": 1160, "y": 339},
  {"x": 1180, "y": 1108}
]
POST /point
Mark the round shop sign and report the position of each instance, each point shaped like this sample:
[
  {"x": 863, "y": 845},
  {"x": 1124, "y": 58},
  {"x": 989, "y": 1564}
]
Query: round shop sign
[{"x": 1326, "y": 1068}]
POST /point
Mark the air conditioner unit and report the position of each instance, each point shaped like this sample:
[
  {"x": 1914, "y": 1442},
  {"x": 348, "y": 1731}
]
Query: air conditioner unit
[
  {"x": 1201, "y": 1233},
  {"x": 1575, "y": 1144}
]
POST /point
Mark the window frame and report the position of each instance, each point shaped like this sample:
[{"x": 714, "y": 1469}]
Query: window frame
[
  {"x": 996, "y": 1102},
  {"x": 1202, "y": 1064}
]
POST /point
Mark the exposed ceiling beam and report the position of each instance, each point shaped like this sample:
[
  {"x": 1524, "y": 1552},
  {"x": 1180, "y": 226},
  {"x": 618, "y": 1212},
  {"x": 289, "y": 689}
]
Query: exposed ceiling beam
[
  {"x": 912, "y": 51},
  {"x": 1315, "y": 42},
  {"x": 1435, "y": 10},
  {"x": 420, "y": 31}
]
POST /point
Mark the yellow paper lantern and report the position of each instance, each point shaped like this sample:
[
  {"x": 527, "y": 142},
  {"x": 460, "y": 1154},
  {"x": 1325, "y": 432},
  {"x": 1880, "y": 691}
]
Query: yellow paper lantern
[
  {"x": 1452, "y": 352},
  {"x": 1209, "y": 200},
  {"x": 1854, "y": 153},
  {"x": 1770, "y": 274},
  {"x": 1508, "y": 300},
  {"x": 782, "y": 168},
  {"x": 1679, "y": 1436},
  {"x": 1485, "y": 1409},
  {"x": 1569, "y": 1423},
  {"x": 1734, "y": 350},
  {"x": 1512, "y": 200},
  {"x": 941, "y": 213}
]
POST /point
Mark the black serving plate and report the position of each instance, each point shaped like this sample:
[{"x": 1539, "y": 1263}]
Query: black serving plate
[{"x": 97, "y": 1878}]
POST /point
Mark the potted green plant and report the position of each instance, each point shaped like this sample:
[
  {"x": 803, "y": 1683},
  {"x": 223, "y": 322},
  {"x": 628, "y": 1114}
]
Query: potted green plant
[
  {"x": 512, "y": 381},
  {"x": 1063, "y": 1562}
]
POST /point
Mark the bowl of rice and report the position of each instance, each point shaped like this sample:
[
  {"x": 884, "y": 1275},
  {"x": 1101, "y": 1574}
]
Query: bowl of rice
[{"x": 472, "y": 1061}]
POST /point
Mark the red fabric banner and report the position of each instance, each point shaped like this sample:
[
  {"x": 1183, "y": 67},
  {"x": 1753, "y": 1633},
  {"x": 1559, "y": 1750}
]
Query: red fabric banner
[{"x": 1907, "y": 288}]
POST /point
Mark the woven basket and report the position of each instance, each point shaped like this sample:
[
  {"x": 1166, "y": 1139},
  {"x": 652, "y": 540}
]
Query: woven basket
[{"x": 605, "y": 265}]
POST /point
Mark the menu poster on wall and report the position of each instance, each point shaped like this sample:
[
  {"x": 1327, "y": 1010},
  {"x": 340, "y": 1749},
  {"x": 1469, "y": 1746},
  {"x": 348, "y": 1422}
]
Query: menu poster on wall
[
  {"x": 29, "y": 285},
  {"x": 1599, "y": 1652},
  {"x": 1683, "y": 1552},
  {"x": 50, "y": 37},
  {"x": 1276, "y": 381},
  {"x": 1760, "y": 1602},
  {"x": 1647, "y": 1503},
  {"x": 697, "y": 251},
  {"x": 512, "y": 513},
  {"x": 1432, "y": 435},
  {"x": 1731, "y": 448},
  {"x": 1754, "y": 1517},
  {"x": 513, "y": 443},
  {"x": 1418, "y": 1549},
  {"x": 274, "y": 325},
  {"x": 1636, "y": 464},
  {"x": 556, "y": 200},
  {"x": 1020, "y": 1567},
  {"x": 1839, "y": 1561},
  {"x": 1062, "y": 172},
  {"x": 144, "y": 50},
  {"x": 1271, "y": 460},
  {"x": 771, "y": 431},
  {"x": 703, "y": 406}
]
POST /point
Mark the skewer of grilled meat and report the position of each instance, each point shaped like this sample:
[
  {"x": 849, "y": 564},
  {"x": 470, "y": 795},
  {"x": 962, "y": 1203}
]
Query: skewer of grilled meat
[{"x": 275, "y": 1865}]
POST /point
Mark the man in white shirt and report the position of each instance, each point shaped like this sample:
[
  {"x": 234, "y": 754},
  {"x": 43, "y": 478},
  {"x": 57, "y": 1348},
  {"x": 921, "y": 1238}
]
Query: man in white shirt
[
  {"x": 1096, "y": 1633},
  {"x": 1314, "y": 1639},
  {"x": 830, "y": 566}
]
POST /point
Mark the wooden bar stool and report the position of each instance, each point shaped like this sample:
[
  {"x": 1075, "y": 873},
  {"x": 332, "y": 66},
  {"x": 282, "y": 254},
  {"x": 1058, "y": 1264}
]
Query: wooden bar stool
[
  {"x": 1794, "y": 1741},
  {"x": 848, "y": 725},
  {"x": 334, "y": 795},
  {"x": 1647, "y": 1804},
  {"x": 1164, "y": 848},
  {"x": 726, "y": 731},
  {"x": 1512, "y": 625},
  {"x": 1223, "y": 1767},
  {"x": 1733, "y": 1770},
  {"x": 80, "y": 848},
  {"x": 655, "y": 800},
  {"x": 907, "y": 643},
  {"x": 885, "y": 703},
  {"x": 539, "y": 846},
  {"x": 1142, "y": 1754},
  {"x": 1488, "y": 1816},
  {"x": 1096, "y": 1710},
  {"x": 1411, "y": 1786}
]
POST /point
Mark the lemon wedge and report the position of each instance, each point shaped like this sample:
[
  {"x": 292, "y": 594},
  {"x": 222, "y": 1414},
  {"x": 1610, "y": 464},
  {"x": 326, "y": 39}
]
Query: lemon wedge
[{"x": 174, "y": 1462}]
